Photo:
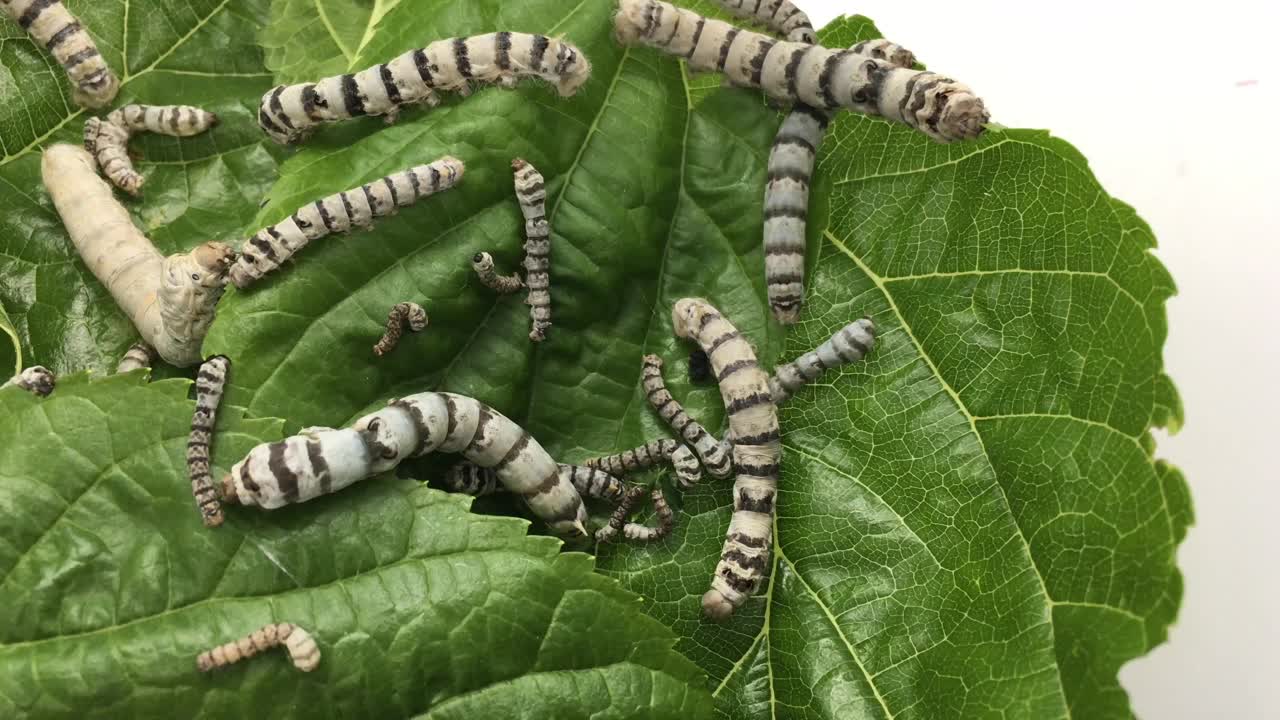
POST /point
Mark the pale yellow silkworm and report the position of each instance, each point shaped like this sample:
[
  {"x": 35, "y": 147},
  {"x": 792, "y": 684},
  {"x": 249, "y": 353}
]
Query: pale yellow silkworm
[
  {"x": 302, "y": 647},
  {"x": 58, "y": 31}
]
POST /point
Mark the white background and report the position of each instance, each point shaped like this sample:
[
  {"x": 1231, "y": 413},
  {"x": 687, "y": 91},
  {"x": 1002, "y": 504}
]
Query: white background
[{"x": 1178, "y": 110}]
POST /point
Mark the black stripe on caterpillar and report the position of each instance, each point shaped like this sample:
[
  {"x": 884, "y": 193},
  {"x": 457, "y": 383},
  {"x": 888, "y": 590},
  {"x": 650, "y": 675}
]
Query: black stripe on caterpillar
[
  {"x": 302, "y": 648},
  {"x": 321, "y": 461},
  {"x": 37, "y": 380},
  {"x": 210, "y": 382},
  {"x": 757, "y": 452},
  {"x": 405, "y": 314},
  {"x": 107, "y": 139},
  {"x": 139, "y": 355},
  {"x": 55, "y": 29},
  {"x": 338, "y": 213},
  {"x": 688, "y": 469},
  {"x": 531, "y": 191},
  {"x": 482, "y": 263},
  {"x": 780, "y": 16},
  {"x": 713, "y": 457},
  {"x": 823, "y": 78},
  {"x": 287, "y": 113}
]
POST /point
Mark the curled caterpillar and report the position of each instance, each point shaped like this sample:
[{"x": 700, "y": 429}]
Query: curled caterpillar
[
  {"x": 139, "y": 355},
  {"x": 757, "y": 452},
  {"x": 786, "y": 208},
  {"x": 107, "y": 139},
  {"x": 210, "y": 381},
  {"x": 288, "y": 113},
  {"x": 338, "y": 213},
  {"x": 714, "y": 458},
  {"x": 823, "y": 78},
  {"x": 482, "y": 263},
  {"x": 401, "y": 315},
  {"x": 531, "y": 191},
  {"x": 666, "y": 520},
  {"x": 302, "y": 648},
  {"x": 780, "y": 16},
  {"x": 618, "y": 518},
  {"x": 322, "y": 461},
  {"x": 171, "y": 300},
  {"x": 850, "y": 343},
  {"x": 688, "y": 468},
  {"x": 59, "y": 32},
  {"x": 37, "y": 380}
]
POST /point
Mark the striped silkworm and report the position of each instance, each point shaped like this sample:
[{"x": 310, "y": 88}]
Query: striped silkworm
[
  {"x": 717, "y": 461},
  {"x": 820, "y": 77},
  {"x": 210, "y": 381},
  {"x": 666, "y": 520},
  {"x": 482, "y": 263},
  {"x": 402, "y": 315},
  {"x": 531, "y": 191},
  {"x": 302, "y": 648},
  {"x": 618, "y": 519},
  {"x": 171, "y": 300},
  {"x": 139, "y": 355},
  {"x": 780, "y": 16},
  {"x": 471, "y": 479},
  {"x": 786, "y": 209},
  {"x": 37, "y": 380},
  {"x": 338, "y": 213},
  {"x": 849, "y": 344},
  {"x": 288, "y": 113},
  {"x": 757, "y": 452},
  {"x": 322, "y": 461},
  {"x": 107, "y": 139},
  {"x": 58, "y": 31},
  {"x": 688, "y": 469}
]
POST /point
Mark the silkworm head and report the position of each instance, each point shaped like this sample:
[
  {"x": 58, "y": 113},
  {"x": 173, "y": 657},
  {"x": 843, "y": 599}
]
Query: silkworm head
[
  {"x": 482, "y": 261},
  {"x": 715, "y": 606},
  {"x": 685, "y": 316}
]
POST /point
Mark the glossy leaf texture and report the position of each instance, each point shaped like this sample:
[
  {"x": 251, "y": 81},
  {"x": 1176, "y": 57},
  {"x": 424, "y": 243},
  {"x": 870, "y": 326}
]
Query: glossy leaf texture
[{"x": 110, "y": 586}]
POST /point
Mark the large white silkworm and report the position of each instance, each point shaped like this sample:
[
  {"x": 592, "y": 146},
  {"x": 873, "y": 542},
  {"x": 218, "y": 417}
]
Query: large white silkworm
[
  {"x": 139, "y": 355},
  {"x": 37, "y": 380},
  {"x": 338, "y": 213},
  {"x": 780, "y": 16},
  {"x": 482, "y": 263},
  {"x": 287, "y": 113},
  {"x": 302, "y": 648},
  {"x": 688, "y": 469},
  {"x": 714, "y": 457},
  {"x": 823, "y": 78},
  {"x": 402, "y": 315},
  {"x": 322, "y": 461},
  {"x": 58, "y": 31},
  {"x": 210, "y": 381},
  {"x": 757, "y": 452},
  {"x": 107, "y": 139},
  {"x": 531, "y": 191},
  {"x": 171, "y": 300}
]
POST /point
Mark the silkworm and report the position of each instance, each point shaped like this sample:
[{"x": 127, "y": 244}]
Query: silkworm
[
  {"x": 107, "y": 139},
  {"x": 531, "y": 191},
  {"x": 786, "y": 207},
  {"x": 850, "y": 343},
  {"x": 37, "y": 380},
  {"x": 699, "y": 367},
  {"x": 302, "y": 648},
  {"x": 713, "y": 456},
  {"x": 139, "y": 355},
  {"x": 323, "y": 461},
  {"x": 338, "y": 213},
  {"x": 757, "y": 452},
  {"x": 666, "y": 520},
  {"x": 58, "y": 31},
  {"x": 471, "y": 479},
  {"x": 688, "y": 468},
  {"x": 288, "y": 113},
  {"x": 402, "y": 314},
  {"x": 780, "y": 16},
  {"x": 171, "y": 300},
  {"x": 210, "y": 381},
  {"x": 619, "y": 516},
  {"x": 823, "y": 78},
  {"x": 482, "y": 263}
]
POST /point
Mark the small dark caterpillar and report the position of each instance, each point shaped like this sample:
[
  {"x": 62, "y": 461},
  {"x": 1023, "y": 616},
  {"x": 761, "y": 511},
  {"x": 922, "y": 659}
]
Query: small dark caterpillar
[
  {"x": 471, "y": 479},
  {"x": 482, "y": 263},
  {"x": 699, "y": 367},
  {"x": 302, "y": 648},
  {"x": 210, "y": 381},
  {"x": 287, "y": 113},
  {"x": 666, "y": 520},
  {"x": 757, "y": 452},
  {"x": 850, "y": 343},
  {"x": 823, "y": 78},
  {"x": 780, "y": 16},
  {"x": 58, "y": 31},
  {"x": 139, "y": 355},
  {"x": 107, "y": 139},
  {"x": 618, "y": 519},
  {"x": 340, "y": 212},
  {"x": 401, "y": 315},
  {"x": 786, "y": 208},
  {"x": 714, "y": 457},
  {"x": 37, "y": 380},
  {"x": 531, "y": 191},
  {"x": 320, "y": 461},
  {"x": 688, "y": 468}
]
